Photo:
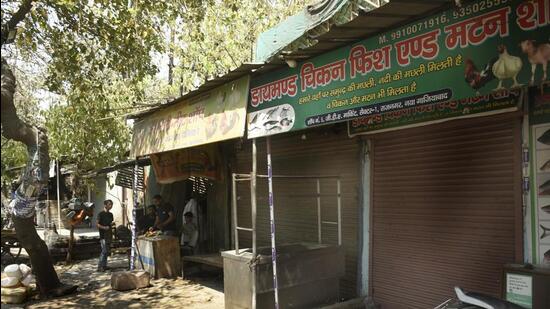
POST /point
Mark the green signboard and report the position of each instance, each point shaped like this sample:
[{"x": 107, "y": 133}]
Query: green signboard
[
  {"x": 465, "y": 52},
  {"x": 499, "y": 101}
]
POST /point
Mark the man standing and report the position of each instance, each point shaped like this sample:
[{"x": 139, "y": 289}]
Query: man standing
[
  {"x": 104, "y": 222},
  {"x": 166, "y": 218},
  {"x": 147, "y": 221},
  {"x": 189, "y": 235}
]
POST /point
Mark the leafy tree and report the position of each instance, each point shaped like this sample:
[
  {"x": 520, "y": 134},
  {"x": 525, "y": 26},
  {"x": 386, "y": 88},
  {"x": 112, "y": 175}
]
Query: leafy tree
[
  {"x": 78, "y": 41},
  {"x": 96, "y": 58}
]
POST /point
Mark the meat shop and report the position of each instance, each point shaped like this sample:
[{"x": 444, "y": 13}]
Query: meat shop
[
  {"x": 184, "y": 218},
  {"x": 439, "y": 157}
]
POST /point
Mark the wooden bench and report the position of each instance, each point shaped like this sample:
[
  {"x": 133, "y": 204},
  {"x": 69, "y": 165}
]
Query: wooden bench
[{"x": 214, "y": 259}]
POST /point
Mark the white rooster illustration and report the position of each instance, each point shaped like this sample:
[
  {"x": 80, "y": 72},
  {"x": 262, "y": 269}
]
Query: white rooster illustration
[{"x": 506, "y": 67}]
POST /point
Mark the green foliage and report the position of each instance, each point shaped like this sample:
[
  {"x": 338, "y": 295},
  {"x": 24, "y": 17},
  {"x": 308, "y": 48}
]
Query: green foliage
[
  {"x": 99, "y": 59},
  {"x": 213, "y": 39},
  {"x": 14, "y": 154},
  {"x": 84, "y": 131}
]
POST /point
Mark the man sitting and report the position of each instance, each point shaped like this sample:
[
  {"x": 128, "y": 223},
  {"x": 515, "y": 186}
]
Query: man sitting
[{"x": 189, "y": 235}]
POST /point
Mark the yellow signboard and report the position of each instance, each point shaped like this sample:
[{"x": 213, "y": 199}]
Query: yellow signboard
[{"x": 215, "y": 116}]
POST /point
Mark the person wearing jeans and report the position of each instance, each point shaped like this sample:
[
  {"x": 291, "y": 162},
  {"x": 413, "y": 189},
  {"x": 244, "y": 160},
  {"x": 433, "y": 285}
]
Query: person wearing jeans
[{"x": 104, "y": 222}]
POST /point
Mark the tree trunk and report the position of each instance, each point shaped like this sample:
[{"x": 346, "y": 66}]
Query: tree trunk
[
  {"x": 69, "y": 257},
  {"x": 34, "y": 181},
  {"x": 42, "y": 265}
]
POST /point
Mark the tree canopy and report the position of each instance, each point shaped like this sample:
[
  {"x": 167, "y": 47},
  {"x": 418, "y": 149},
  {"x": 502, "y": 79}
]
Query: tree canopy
[{"x": 99, "y": 60}]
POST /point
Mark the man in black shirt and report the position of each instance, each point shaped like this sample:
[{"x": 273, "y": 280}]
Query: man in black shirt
[
  {"x": 166, "y": 218},
  {"x": 104, "y": 222},
  {"x": 148, "y": 220}
]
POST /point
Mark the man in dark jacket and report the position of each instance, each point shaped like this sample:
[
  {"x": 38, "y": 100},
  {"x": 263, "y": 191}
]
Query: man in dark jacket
[{"x": 104, "y": 225}]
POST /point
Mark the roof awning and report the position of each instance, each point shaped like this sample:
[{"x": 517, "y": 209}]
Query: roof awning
[{"x": 212, "y": 116}]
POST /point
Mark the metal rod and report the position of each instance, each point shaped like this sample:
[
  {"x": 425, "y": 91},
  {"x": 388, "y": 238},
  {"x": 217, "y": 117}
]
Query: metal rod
[
  {"x": 319, "y": 211},
  {"x": 241, "y": 175},
  {"x": 339, "y": 190},
  {"x": 135, "y": 200},
  {"x": 253, "y": 194},
  {"x": 47, "y": 222},
  {"x": 234, "y": 214},
  {"x": 306, "y": 195},
  {"x": 330, "y": 222},
  {"x": 243, "y": 179},
  {"x": 244, "y": 229},
  {"x": 272, "y": 223},
  {"x": 58, "y": 196},
  {"x": 299, "y": 176},
  {"x": 254, "y": 214}
]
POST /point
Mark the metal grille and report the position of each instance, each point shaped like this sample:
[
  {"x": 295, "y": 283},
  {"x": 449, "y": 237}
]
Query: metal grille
[
  {"x": 200, "y": 184},
  {"x": 125, "y": 178},
  {"x": 446, "y": 203},
  {"x": 323, "y": 151}
]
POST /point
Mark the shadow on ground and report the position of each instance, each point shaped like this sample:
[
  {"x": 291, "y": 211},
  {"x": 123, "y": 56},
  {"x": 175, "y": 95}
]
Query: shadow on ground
[{"x": 95, "y": 290}]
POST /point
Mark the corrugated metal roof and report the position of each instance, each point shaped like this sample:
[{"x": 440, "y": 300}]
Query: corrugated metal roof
[
  {"x": 124, "y": 164},
  {"x": 356, "y": 21},
  {"x": 244, "y": 69}
]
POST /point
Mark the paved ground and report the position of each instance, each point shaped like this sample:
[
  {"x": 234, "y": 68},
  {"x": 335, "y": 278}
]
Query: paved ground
[{"x": 95, "y": 290}]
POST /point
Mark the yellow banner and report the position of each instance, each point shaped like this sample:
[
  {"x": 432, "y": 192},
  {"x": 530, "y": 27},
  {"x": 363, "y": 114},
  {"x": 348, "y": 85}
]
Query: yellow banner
[{"x": 215, "y": 116}]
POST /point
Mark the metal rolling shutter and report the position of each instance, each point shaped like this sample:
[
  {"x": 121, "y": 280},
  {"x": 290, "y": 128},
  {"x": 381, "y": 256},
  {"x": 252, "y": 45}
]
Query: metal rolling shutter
[
  {"x": 446, "y": 210},
  {"x": 323, "y": 152}
]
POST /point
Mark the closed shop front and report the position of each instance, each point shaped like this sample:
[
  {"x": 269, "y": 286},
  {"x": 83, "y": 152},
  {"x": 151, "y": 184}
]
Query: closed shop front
[
  {"x": 446, "y": 209},
  {"x": 323, "y": 151}
]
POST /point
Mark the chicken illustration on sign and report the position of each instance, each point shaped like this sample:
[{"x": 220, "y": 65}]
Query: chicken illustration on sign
[{"x": 506, "y": 67}]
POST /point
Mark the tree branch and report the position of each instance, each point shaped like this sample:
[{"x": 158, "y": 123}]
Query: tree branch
[
  {"x": 12, "y": 126},
  {"x": 17, "y": 17}
]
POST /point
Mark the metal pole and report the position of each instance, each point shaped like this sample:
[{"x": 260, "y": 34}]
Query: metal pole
[
  {"x": 253, "y": 195},
  {"x": 234, "y": 208},
  {"x": 135, "y": 198},
  {"x": 339, "y": 192},
  {"x": 58, "y": 196},
  {"x": 47, "y": 214},
  {"x": 272, "y": 223},
  {"x": 89, "y": 200},
  {"x": 319, "y": 210},
  {"x": 89, "y": 193},
  {"x": 253, "y": 204}
]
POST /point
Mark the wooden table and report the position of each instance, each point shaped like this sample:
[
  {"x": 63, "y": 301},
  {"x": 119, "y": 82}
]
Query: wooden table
[{"x": 160, "y": 256}]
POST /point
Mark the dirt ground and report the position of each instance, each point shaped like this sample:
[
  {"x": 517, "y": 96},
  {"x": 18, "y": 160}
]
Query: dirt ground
[{"x": 95, "y": 290}]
